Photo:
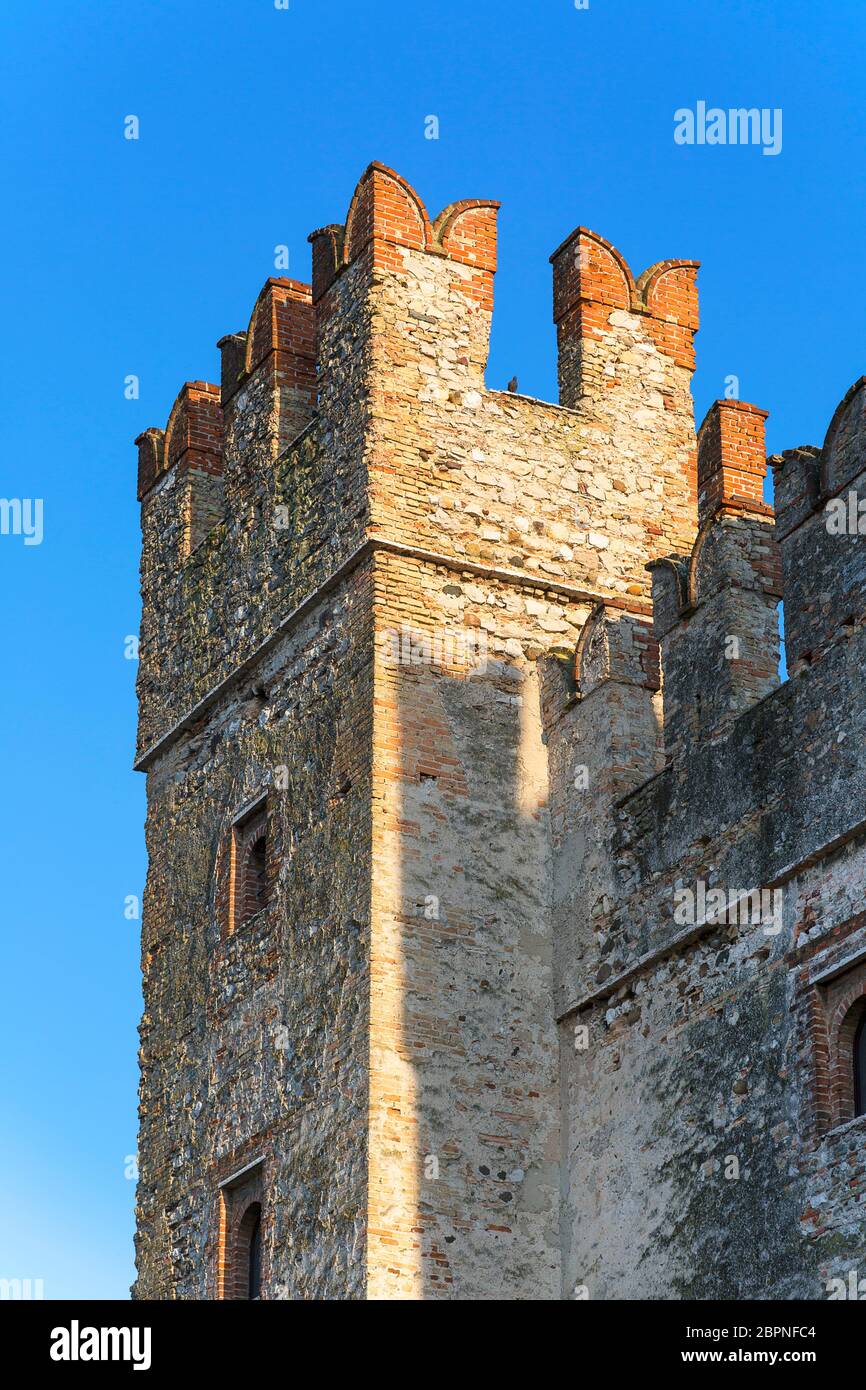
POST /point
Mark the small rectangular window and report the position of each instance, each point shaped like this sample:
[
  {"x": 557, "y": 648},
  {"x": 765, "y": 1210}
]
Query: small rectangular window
[
  {"x": 250, "y": 869},
  {"x": 241, "y": 1218},
  {"x": 835, "y": 1022}
]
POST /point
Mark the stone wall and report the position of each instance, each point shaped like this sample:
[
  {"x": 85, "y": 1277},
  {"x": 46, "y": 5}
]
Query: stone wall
[{"x": 254, "y": 1045}]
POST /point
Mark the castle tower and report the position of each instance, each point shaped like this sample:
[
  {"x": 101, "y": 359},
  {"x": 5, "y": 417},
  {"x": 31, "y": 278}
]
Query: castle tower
[
  {"x": 503, "y": 931},
  {"x": 358, "y": 563}
]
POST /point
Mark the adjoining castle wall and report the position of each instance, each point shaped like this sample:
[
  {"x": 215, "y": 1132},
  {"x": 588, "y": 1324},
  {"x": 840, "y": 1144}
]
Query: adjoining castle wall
[{"x": 704, "y": 1151}]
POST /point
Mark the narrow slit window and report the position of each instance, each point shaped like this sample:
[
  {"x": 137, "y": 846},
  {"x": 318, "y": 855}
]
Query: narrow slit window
[
  {"x": 254, "y": 1259},
  {"x": 256, "y": 884},
  {"x": 860, "y": 1067}
]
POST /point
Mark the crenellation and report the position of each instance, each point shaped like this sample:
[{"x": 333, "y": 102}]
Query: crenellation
[
  {"x": 151, "y": 456},
  {"x": 795, "y": 486},
  {"x": 732, "y": 461},
  {"x": 232, "y": 348},
  {"x": 822, "y": 492},
  {"x": 717, "y": 626}
]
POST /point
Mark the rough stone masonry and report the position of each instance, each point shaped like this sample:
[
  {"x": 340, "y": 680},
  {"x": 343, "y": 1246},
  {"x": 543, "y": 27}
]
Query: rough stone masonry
[{"x": 451, "y": 703}]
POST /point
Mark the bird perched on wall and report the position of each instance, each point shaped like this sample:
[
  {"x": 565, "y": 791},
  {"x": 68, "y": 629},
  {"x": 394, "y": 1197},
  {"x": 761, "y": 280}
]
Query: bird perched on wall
[{"x": 512, "y": 385}]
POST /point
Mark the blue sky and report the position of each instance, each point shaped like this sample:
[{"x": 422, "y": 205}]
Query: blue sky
[{"x": 133, "y": 257}]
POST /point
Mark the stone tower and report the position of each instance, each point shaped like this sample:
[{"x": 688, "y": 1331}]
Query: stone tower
[{"x": 419, "y": 1020}]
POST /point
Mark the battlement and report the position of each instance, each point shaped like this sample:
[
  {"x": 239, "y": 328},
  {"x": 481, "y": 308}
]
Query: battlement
[
  {"x": 281, "y": 323},
  {"x": 386, "y": 214},
  {"x": 192, "y": 438},
  {"x": 732, "y": 459},
  {"x": 715, "y": 608},
  {"x": 386, "y": 217},
  {"x": 807, "y": 477},
  {"x": 592, "y": 283},
  {"x": 279, "y": 339},
  {"x": 819, "y": 492},
  {"x": 354, "y": 411},
  {"x": 716, "y": 605},
  {"x": 354, "y": 408},
  {"x": 715, "y": 620}
]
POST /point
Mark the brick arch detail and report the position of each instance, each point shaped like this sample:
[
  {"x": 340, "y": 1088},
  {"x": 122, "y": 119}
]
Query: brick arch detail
[
  {"x": 240, "y": 1218},
  {"x": 232, "y": 869},
  {"x": 846, "y": 1020}
]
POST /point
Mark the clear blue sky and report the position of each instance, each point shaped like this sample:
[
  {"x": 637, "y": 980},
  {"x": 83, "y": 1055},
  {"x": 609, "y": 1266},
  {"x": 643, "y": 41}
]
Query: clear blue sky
[{"x": 125, "y": 257}]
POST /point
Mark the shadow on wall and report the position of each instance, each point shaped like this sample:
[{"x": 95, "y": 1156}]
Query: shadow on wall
[{"x": 464, "y": 1103}]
